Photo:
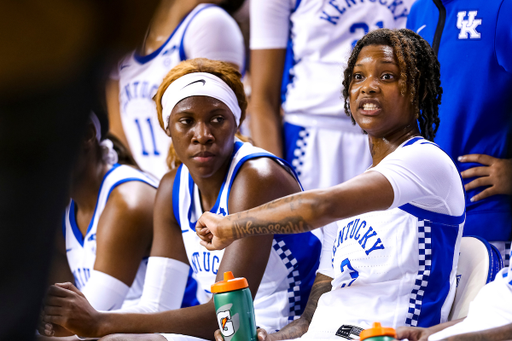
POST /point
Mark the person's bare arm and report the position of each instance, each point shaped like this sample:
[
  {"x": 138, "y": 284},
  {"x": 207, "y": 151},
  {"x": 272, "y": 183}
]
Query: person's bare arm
[
  {"x": 123, "y": 238},
  {"x": 422, "y": 334},
  {"x": 265, "y": 106},
  {"x": 300, "y": 212},
  {"x": 114, "y": 112},
  {"x": 70, "y": 309},
  {"x": 493, "y": 334},
  {"x": 125, "y": 231},
  {"x": 298, "y": 327}
]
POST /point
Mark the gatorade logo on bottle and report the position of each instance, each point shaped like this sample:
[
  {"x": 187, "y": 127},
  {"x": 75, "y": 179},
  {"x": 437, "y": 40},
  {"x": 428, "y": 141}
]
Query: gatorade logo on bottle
[
  {"x": 234, "y": 308},
  {"x": 228, "y": 324}
]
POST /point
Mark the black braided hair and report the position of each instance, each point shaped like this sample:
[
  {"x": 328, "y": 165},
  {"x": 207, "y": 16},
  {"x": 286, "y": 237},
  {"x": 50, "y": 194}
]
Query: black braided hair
[{"x": 419, "y": 74}]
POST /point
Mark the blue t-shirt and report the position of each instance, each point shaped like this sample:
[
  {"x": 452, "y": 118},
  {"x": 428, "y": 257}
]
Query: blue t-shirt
[{"x": 475, "y": 52}]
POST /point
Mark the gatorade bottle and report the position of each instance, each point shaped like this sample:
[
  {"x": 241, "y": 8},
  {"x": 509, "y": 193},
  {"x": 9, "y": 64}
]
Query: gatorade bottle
[
  {"x": 378, "y": 333},
  {"x": 235, "y": 312}
]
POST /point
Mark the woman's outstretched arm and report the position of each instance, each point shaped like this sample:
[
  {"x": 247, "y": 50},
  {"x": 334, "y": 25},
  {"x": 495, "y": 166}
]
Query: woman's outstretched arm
[{"x": 300, "y": 212}]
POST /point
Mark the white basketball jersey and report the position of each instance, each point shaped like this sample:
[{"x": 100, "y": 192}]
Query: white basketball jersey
[
  {"x": 292, "y": 263},
  {"x": 396, "y": 266},
  {"x": 139, "y": 78},
  {"x": 323, "y": 33},
  {"x": 81, "y": 250}
]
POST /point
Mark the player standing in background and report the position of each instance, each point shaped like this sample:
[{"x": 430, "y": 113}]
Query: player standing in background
[
  {"x": 179, "y": 30},
  {"x": 309, "y": 40},
  {"x": 473, "y": 42}
]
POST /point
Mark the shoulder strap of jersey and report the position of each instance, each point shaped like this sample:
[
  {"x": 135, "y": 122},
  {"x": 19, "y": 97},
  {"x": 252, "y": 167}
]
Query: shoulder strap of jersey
[
  {"x": 176, "y": 192},
  {"x": 182, "y": 190},
  {"x": 242, "y": 153},
  {"x": 117, "y": 175},
  {"x": 69, "y": 224}
]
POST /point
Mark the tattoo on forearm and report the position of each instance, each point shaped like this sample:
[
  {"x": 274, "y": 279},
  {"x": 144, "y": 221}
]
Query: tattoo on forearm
[
  {"x": 319, "y": 288},
  {"x": 252, "y": 226},
  {"x": 246, "y": 224},
  {"x": 293, "y": 330},
  {"x": 299, "y": 327}
]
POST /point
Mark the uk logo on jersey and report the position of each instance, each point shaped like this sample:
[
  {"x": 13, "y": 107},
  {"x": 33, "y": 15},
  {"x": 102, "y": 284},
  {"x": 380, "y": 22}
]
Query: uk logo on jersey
[{"x": 468, "y": 26}]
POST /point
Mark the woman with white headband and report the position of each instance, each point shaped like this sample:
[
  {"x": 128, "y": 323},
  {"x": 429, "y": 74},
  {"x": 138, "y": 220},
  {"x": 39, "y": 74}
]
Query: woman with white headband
[
  {"x": 201, "y": 104},
  {"x": 108, "y": 224}
]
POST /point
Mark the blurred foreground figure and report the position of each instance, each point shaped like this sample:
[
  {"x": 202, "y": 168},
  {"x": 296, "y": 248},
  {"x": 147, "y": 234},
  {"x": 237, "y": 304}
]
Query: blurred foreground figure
[{"x": 54, "y": 57}]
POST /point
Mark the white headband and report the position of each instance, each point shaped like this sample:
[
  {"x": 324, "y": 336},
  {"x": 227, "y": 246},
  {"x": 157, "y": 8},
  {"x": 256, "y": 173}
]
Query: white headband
[{"x": 199, "y": 84}]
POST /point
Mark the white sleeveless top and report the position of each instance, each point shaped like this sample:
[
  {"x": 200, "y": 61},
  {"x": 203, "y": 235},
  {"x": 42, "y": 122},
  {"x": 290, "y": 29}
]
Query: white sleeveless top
[
  {"x": 81, "y": 250},
  {"x": 140, "y": 76},
  {"x": 290, "y": 271},
  {"x": 319, "y": 36}
]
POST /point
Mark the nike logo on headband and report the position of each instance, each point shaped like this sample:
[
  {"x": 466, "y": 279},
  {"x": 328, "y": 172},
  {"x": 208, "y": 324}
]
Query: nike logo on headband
[{"x": 198, "y": 81}]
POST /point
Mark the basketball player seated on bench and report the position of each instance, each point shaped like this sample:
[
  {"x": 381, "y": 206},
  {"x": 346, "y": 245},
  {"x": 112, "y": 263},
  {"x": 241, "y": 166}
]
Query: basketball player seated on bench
[
  {"x": 108, "y": 225},
  {"x": 201, "y": 104},
  {"x": 398, "y": 240}
]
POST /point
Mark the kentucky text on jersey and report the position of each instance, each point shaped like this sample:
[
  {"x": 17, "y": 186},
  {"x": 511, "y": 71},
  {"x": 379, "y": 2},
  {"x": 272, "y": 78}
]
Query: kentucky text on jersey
[
  {"x": 137, "y": 90},
  {"x": 334, "y": 9},
  {"x": 361, "y": 232},
  {"x": 208, "y": 263}
]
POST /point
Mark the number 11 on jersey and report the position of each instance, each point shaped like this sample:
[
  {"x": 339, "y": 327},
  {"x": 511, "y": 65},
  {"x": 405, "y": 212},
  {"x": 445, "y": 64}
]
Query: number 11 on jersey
[{"x": 143, "y": 145}]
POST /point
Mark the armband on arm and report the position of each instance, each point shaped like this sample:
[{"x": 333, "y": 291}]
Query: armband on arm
[
  {"x": 105, "y": 292},
  {"x": 164, "y": 286}
]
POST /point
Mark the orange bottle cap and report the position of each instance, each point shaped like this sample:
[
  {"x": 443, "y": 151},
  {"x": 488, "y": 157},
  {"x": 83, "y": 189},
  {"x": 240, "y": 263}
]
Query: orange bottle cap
[
  {"x": 230, "y": 283},
  {"x": 377, "y": 330}
]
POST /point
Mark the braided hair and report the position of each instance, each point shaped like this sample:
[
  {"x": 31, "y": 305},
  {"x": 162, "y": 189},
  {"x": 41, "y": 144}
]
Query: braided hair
[{"x": 419, "y": 74}]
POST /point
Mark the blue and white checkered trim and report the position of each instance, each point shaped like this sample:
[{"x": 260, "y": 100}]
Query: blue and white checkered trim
[
  {"x": 300, "y": 151},
  {"x": 508, "y": 251},
  {"x": 425, "y": 268},
  {"x": 294, "y": 280}
]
